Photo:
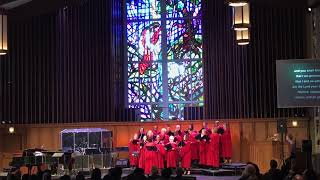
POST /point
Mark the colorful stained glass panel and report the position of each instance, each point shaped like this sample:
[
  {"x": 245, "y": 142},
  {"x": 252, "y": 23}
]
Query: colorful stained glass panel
[
  {"x": 146, "y": 87},
  {"x": 143, "y": 9},
  {"x": 184, "y": 86},
  {"x": 184, "y": 39},
  {"x": 157, "y": 111},
  {"x": 179, "y": 81},
  {"x": 133, "y": 92},
  {"x": 183, "y": 8},
  {"x": 144, "y": 41},
  {"x": 176, "y": 111},
  {"x": 145, "y": 110},
  {"x": 152, "y": 72}
]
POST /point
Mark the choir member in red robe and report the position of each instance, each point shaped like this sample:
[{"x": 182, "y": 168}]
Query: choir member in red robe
[
  {"x": 171, "y": 155},
  {"x": 178, "y": 134},
  {"x": 155, "y": 130},
  {"x": 216, "y": 124},
  {"x": 160, "y": 154},
  {"x": 141, "y": 134},
  {"x": 226, "y": 144},
  {"x": 142, "y": 153},
  {"x": 185, "y": 154},
  {"x": 213, "y": 157},
  {"x": 150, "y": 155},
  {"x": 133, "y": 151},
  {"x": 163, "y": 136},
  {"x": 169, "y": 132},
  {"x": 205, "y": 126},
  {"x": 194, "y": 144},
  {"x": 203, "y": 140}
]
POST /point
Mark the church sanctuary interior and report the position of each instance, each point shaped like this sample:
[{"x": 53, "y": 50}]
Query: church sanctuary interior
[{"x": 160, "y": 89}]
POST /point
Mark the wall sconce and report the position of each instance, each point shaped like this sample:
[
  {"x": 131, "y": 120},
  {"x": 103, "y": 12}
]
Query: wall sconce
[
  {"x": 243, "y": 37},
  {"x": 294, "y": 123},
  {"x": 237, "y": 3},
  {"x": 3, "y": 33},
  {"x": 11, "y": 130},
  {"x": 241, "y": 17}
]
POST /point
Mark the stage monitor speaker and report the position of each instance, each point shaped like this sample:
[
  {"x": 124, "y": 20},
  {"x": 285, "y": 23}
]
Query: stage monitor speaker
[
  {"x": 307, "y": 146},
  {"x": 282, "y": 125},
  {"x": 124, "y": 163}
]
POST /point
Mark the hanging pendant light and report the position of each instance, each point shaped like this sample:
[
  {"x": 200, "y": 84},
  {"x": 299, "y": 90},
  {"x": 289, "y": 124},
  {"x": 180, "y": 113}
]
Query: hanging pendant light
[
  {"x": 241, "y": 17},
  {"x": 237, "y": 3},
  {"x": 243, "y": 37},
  {"x": 3, "y": 33}
]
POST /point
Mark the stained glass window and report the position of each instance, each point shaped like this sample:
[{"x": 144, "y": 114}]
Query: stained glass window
[{"x": 164, "y": 57}]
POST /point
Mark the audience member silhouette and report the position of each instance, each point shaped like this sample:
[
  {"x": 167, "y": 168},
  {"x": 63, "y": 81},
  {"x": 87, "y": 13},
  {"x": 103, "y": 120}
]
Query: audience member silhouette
[
  {"x": 309, "y": 174},
  {"x": 46, "y": 175},
  {"x": 293, "y": 170},
  {"x": 25, "y": 177},
  {"x": 297, "y": 177},
  {"x": 249, "y": 173},
  {"x": 165, "y": 174},
  {"x": 273, "y": 173},
  {"x": 138, "y": 173},
  {"x": 65, "y": 177},
  {"x": 115, "y": 173},
  {"x": 96, "y": 174},
  {"x": 179, "y": 173},
  {"x": 257, "y": 170},
  {"x": 154, "y": 173},
  {"x": 80, "y": 176}
]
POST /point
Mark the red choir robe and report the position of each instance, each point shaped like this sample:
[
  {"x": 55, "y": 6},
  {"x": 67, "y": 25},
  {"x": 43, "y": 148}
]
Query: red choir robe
[
  {"x": 150, "y": 158},
  {"x": 185, "y": 154},
  {"x": 171, "y": 156},
  {"x": 194, "y": 146},
  {"x": 213, "y": 150},
  {"x": 179, "y": 136},
  {"x": 164, "y": 138},
  {"x": 142, "y": 157},
  {"x": 160, "y": 155},
  {"x": 155, "y": 132},
  {"x": 208, "y": 130},
  {"x": 133, "y": 147},
  {"x": 226, "y": 144},
  {"x": 203, "y": 152}
]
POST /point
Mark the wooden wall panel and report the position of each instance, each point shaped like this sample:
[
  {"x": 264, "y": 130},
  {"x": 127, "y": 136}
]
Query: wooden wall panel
[
  {"x": 272, "y": 128},
  {"x": 12, "y": 143},
  {"x": 236, "y": 145},
  {"x": 33, "y": 137},
  {"x": 260, "y": 131},
  {"x": 261, "y": 153},
  {"x": 248, "y": 135}
]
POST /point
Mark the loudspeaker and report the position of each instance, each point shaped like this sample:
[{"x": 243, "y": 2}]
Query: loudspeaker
[
  {"x": 307, "y": 146},
  {"x": 282, "y": 125}
]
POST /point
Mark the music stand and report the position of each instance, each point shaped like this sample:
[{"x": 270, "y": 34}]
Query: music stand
[
  {"x": 78, "y": 154},
  {"x": 57, "y": 156},
  {"x": 114, "y": 156}
]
